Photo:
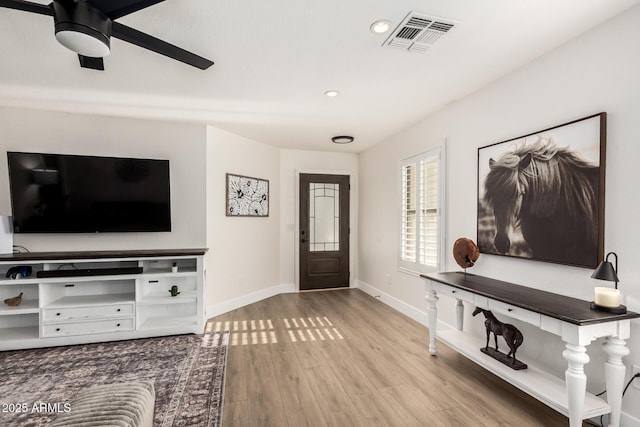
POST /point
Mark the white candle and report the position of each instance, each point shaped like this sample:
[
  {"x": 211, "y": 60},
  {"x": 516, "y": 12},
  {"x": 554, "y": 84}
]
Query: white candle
[{"x": 607, "y": 297}]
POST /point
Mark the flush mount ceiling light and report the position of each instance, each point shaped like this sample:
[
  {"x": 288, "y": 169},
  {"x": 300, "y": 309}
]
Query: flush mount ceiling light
[
  {"x": 331, "y": 93},
  {"x": 342, "y": 139},
  {"x": 380, "y": 27}
]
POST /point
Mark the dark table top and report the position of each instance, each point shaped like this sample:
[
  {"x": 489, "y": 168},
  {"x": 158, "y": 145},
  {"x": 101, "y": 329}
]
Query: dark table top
[{"x": 567, "y": 309}]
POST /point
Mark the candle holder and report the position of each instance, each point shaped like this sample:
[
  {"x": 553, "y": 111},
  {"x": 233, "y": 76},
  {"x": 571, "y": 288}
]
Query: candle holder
[{"x": 607, "y": 299}]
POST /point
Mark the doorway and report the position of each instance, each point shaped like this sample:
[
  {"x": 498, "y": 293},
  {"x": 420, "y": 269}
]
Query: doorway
[{"x": 324, "y": 231}]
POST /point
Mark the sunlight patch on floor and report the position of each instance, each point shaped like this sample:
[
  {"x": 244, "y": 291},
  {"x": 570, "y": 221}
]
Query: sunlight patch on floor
[
  {"x": 302, "y": 329},
  {"x": 240, "y": 325},
  {"x": 263, "y": 331}
]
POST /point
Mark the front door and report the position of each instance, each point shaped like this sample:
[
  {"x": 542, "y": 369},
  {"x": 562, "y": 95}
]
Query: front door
[{"x": 324, "y": 231}]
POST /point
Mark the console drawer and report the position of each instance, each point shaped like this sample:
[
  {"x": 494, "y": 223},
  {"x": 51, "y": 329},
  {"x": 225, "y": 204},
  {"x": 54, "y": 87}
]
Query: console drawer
[
  {"x": 514, "y": 312},
  {"x": 87, "y": 327},
  {"x": 456, "y": 293},
  {"x": 88, "y": 312}
]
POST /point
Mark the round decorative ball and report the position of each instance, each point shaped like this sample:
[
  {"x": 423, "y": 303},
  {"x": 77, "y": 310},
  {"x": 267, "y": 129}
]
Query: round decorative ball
[{"x": 465, "y": 252}]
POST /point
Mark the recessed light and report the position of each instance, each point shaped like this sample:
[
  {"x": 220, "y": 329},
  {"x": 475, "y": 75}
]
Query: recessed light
[
  {"x": 342, "y": 139},
  {"x": 331, "y": 93},
  {"x": 380, "y": 27}
]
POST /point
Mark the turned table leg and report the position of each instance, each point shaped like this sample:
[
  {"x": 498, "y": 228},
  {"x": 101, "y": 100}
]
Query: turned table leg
[
  {"x": 459, "y": 314},
  {"x": 577, "y": 357},
  {"x": 432, "y": 313},
  {"x": 614, "y": 371}
]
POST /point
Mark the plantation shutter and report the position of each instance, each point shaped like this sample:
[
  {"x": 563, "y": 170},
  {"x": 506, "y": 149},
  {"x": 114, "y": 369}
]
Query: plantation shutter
[
  {"x": 420, "y": 211},
  {"x": 430, "y": 234},
  {"x": 409, "y": 223}
]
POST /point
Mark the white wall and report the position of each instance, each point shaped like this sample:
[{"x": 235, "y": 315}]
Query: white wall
[
  {"x": 249, "y": 258},
  {"x": 599, "y": 71},
  {"x": 243, "y": 259},
  {"x": 182, "y": 144},
  {"x": 292, "y": 163}
]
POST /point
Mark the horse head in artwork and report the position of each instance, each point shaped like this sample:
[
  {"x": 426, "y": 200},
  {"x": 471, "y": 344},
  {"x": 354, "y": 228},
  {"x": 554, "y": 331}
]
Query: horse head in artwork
[{"x": 550, "y": 194}]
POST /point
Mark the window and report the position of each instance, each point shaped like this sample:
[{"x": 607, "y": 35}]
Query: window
[{"x": 421, "y": 212}]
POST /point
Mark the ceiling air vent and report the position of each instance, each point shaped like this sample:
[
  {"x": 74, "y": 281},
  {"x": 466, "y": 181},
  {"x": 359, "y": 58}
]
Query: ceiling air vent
[{"x": 418, "y": 32}]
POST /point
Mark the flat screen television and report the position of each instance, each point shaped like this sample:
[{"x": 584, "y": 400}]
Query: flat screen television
[{"x": 59, "y": 193}]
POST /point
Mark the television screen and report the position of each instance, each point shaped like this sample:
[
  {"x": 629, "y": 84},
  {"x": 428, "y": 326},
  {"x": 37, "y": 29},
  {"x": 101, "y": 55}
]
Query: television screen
[{"x": 56, "y": 193}]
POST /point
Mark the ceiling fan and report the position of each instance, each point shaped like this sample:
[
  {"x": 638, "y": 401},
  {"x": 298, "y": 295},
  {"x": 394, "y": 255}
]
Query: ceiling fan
[{"x": 86, "y": 27}]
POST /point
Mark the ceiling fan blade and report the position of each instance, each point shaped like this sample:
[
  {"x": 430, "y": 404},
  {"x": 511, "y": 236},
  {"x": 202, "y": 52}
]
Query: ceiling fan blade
[
  {"x": 115, "y": 9},
  {"x": 92, "y": 63},
  {"x": 27, "y": 6},
  {"x": 156, "y": 45}
]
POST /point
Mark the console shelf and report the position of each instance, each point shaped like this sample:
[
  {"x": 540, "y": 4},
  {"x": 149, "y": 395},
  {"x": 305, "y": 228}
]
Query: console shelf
[
  {"x": 167, "y": 272},
  {"x": 25, "y": 307},
  {"x": 90, "y": 300},
  {"x": 20, "y": 334},
  {"x": 185, "y": 297},
  {"x": 89, "y": 308},
  {"x": 160, "y": 323},
  {"x": 539, "y": 384},
  {"x": 16, "y": 282}
]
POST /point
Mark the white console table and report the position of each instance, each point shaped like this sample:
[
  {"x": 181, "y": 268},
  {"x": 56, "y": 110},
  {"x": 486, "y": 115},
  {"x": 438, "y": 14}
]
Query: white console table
[{"x": 570, "y": 318}]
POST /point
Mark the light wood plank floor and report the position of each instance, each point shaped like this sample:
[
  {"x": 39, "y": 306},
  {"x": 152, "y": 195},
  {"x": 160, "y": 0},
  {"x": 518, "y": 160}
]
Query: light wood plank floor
[{"x": 356, "y": 362}]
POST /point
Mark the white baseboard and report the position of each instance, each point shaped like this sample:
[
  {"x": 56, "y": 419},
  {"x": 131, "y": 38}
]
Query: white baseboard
[
  {"x": 234, "y": 303},
  {"x": 393, "y": 302}
]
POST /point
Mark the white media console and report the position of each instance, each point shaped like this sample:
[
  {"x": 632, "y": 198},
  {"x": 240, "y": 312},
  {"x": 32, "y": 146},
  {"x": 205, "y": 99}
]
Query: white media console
[{"x": 82, "y": 297}]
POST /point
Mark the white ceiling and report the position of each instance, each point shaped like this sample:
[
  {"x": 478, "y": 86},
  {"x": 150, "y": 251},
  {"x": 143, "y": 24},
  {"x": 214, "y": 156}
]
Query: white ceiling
[{"x": 274, "y": 59}]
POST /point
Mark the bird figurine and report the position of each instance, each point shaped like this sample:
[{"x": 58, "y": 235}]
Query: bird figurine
[{"x": 15, "y": 301}]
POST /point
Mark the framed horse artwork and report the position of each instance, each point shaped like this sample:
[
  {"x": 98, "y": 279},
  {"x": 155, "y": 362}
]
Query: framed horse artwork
[{"x": 541, "y": 195}]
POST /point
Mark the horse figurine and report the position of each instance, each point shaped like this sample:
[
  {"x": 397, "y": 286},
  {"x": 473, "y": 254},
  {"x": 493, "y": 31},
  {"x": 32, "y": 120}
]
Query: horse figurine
[
  {"x": 510, "y": 333},
  {"x": 550, "y": 194}
]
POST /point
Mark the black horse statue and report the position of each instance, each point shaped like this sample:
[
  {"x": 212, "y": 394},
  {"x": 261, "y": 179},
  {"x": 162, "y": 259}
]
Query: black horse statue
[
  {"x": 510, "y": 333},
  {"x": 550, "y": 193}
]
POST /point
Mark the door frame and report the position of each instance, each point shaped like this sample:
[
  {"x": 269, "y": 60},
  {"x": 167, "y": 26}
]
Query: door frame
[{"x": 353, "y": 215}]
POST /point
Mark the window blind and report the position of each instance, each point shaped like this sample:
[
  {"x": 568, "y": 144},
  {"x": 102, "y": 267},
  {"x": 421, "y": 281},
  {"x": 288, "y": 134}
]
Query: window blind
[{"x": 420, "y": 212}]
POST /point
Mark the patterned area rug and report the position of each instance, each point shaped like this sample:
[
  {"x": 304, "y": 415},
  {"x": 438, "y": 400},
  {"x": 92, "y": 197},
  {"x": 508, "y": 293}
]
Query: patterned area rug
[{"x": 187, "y": 371}]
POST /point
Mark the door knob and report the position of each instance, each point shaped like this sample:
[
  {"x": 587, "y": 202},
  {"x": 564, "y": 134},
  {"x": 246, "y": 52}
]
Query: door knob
[{"x": 303, "y": 241}]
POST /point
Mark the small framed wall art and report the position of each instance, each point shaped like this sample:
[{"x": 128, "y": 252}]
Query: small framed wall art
[{"x": 247, "y": 196}]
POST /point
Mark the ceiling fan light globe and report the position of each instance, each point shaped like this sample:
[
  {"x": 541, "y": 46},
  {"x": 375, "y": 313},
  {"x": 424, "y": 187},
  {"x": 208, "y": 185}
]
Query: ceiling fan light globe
[
  {"x": 81, "y": 27},
  {"x": 83, "y": 44}
]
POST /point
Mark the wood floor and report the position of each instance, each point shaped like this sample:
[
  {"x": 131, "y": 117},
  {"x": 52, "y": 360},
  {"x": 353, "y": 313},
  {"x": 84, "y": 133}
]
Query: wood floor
[{"x": 356, "y": 362}]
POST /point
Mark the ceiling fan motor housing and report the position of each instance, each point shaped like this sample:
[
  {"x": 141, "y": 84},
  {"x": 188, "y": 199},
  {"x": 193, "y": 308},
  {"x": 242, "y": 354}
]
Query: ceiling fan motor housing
[{"x": 82, "y": 28}]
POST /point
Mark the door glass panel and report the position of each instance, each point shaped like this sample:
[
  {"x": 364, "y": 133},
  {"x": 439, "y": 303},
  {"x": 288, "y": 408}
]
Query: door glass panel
[{"x": 324, "y": 217}]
